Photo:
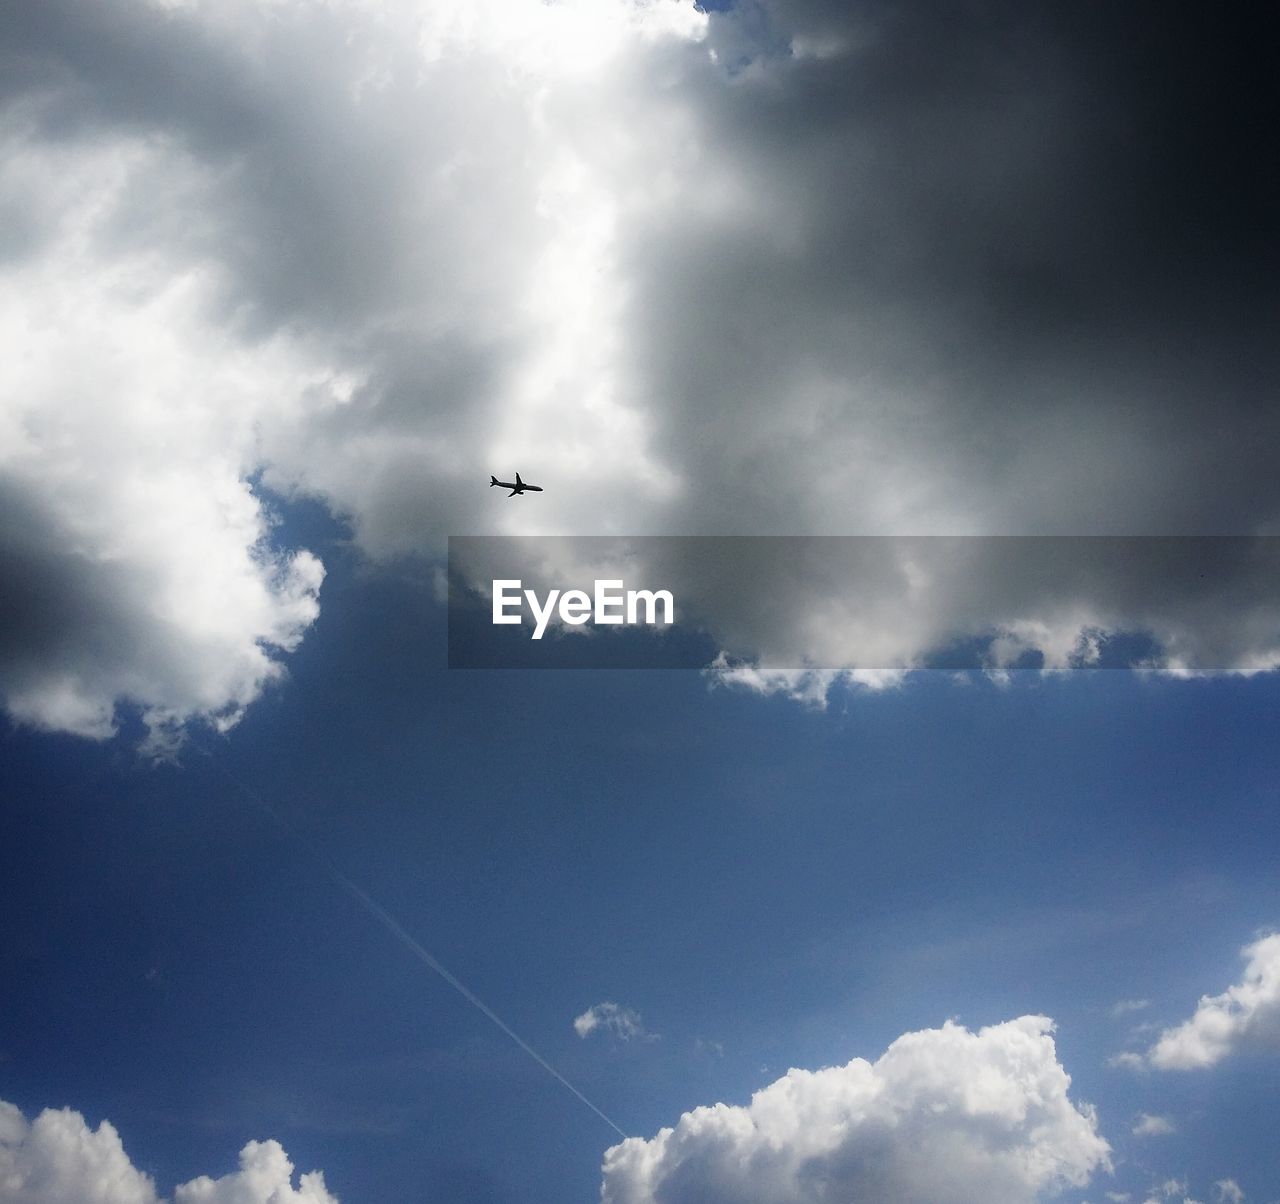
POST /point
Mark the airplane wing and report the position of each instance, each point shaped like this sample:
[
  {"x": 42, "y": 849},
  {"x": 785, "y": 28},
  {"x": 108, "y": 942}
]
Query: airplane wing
[{"x": 513, "y": 493}]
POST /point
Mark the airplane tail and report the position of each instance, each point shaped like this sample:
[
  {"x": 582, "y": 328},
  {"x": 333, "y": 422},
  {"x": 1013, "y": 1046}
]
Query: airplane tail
[{"x": 492, "y": 482}]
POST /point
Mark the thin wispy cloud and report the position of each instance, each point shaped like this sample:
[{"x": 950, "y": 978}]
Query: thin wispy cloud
[{"x": 1147, "y": 1125}]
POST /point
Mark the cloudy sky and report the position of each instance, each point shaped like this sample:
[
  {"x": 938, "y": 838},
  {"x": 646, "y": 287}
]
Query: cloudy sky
[{"x": 289, "y": 907}]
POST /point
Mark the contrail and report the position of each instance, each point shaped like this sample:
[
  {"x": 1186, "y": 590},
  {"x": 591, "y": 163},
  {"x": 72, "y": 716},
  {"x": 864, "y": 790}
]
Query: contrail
[{"x": 393, "y": 926}]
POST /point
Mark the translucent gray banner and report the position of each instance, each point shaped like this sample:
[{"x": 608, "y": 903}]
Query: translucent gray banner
[{"x": 870, "y": 608}]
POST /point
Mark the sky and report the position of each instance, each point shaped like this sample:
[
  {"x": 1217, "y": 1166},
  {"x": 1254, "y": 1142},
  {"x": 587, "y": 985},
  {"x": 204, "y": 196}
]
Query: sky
[{"x": 294, "y": 913}]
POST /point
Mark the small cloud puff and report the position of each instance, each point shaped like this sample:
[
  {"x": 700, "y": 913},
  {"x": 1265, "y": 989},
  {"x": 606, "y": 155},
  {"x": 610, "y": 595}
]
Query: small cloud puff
[
  {"x": 1147, "y": 1125},
  {"x": 1168, "y": 1190},
  {"x": 620, "y": 1022}
]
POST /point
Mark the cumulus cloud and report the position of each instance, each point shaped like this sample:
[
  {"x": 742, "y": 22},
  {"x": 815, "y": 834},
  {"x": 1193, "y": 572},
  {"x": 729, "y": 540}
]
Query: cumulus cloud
[
  {"x": 1246, "y": 1015},
  {"x": 943, "y": 1115},
  {"x": 58, "y": 1159},
  {"x": 1147, "y": 1125},
  {"x": 236, "y": 251},
  {"x": 265, "y": 1177},
  {"x": 138, "y": 564},
  {"x": 1228, "y": 1191},
  {"x": 786, "y": 268},
  {"x": 621, "y": 1022}
]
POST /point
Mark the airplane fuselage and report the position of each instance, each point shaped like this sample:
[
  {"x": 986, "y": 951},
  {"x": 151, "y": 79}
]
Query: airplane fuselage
[{"x": 516, "y": 486}]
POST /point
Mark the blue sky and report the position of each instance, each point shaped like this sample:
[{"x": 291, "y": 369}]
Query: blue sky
[
  {"x": 766, "y": 884},
  {"x": 282, "y": 285}
]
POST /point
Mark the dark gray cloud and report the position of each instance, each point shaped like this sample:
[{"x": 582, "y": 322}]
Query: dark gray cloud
[
  {"x": 788, "y": 268},
  {"x": 798, "y": 613},
  {"x": 991, "y": 267}
]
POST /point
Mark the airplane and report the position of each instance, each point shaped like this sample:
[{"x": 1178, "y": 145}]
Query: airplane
[{"x": 518, "y": 487}]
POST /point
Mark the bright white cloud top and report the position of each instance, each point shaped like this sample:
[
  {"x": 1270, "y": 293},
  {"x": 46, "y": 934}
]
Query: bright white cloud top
[
  {"x": 943, "y": 1116},
  {"x": 1245, "y": 1016},
  {"x": 58, "y": 1159}
]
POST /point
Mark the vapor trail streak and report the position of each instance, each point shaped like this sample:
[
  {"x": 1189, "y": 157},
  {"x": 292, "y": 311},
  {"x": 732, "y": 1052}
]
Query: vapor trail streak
[
  {"x": 390, "y": 923},
  {"x": 393, "y": 926}
]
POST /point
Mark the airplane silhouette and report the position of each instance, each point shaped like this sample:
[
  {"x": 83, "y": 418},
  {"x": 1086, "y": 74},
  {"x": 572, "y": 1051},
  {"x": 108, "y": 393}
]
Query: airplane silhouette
[{"x": 518, "y": 487}]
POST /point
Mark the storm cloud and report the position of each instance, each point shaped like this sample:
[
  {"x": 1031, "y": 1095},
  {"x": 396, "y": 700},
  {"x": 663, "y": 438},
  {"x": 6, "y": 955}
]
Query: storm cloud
[{"x": 783, "y": 269}]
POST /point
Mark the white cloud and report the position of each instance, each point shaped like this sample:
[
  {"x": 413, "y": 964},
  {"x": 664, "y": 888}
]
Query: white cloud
[
  {"x": 1168, "y": 1190},
  {"x": 621, "y": 1022},
  {"x": 138, "y": 563},
  {"x": 198, "y": 294},
  {"x": 1146, "y": 1125},
  {"x": 58, "y": 1159},
  {"x": 1228, "y": 1191},
  {"x": 642, "y": 270},
  {"x": 943, "y": 1116},
  {"x": 1125, "y": 1006},
  {"x": 265, "y": 1177},
  {"x": 1246, "y": 1015}
]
